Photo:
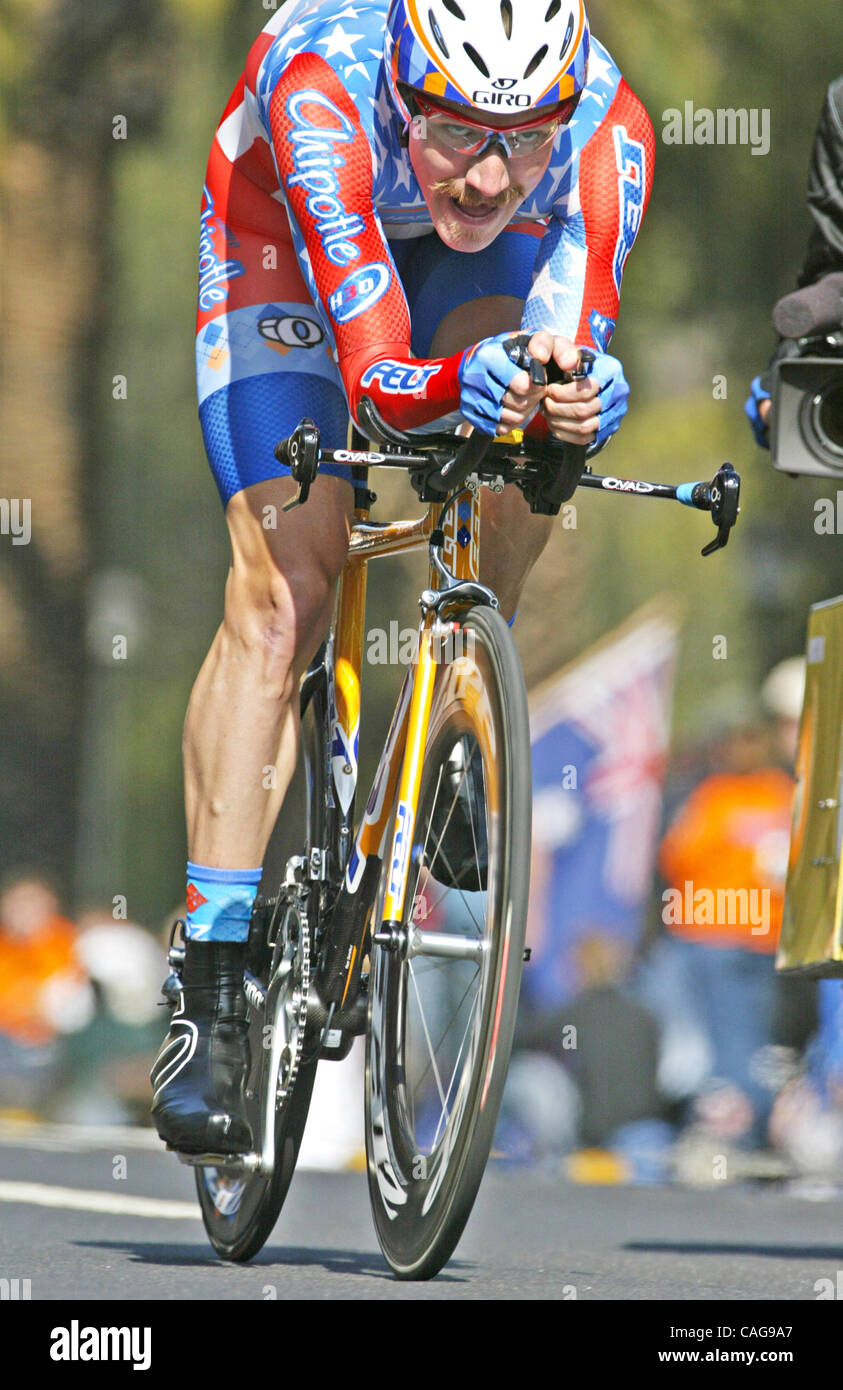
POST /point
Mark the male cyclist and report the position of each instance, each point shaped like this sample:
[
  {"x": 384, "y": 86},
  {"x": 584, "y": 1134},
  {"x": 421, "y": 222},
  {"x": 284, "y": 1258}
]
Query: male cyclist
[{"x": 394, "y": 189}]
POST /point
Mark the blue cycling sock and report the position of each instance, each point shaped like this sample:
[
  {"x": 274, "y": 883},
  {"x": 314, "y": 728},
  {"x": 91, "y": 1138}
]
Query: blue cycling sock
[
  {"x": 219, "y": 902},
  {"x": 511, "y": 620}
]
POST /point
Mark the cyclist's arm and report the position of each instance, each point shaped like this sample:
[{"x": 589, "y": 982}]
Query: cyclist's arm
[
  {"x": 325, "y": 172},
  {"x": 577, "y": 282},
  {"x": 576, "y": 288}
]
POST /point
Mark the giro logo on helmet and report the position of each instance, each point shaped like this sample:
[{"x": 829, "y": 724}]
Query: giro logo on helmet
[
  {"x": 448, "y": 49},
  {"x": 500, "y": 99}
]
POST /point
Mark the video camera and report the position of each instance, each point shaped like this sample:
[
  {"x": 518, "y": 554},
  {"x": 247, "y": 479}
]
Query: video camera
[{"x": 806, "y": 434}]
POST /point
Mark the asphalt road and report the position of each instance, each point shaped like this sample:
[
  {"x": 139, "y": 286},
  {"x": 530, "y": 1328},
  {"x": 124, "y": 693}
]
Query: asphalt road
[{"x": 78, "y": 1229}]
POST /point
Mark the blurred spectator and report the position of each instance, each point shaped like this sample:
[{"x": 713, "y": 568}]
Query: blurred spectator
[
  {"x": 109, "y": 1061},
  {"x": 44, "y": 989},
  {"x": 724, "y": 860},
  {"x": 585, "y": 1075}
]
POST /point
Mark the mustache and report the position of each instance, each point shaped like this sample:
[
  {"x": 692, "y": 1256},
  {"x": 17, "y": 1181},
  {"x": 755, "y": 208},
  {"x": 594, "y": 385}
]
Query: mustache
[{"x": 469, "y": 198}]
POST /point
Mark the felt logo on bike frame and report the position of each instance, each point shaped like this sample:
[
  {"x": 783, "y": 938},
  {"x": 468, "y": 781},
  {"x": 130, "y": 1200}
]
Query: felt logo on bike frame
[{"x": 402, "y": 846}]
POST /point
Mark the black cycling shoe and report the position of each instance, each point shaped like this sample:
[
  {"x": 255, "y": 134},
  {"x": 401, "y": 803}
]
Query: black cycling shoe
[
  {"x": 458, "y": 825},
  {"x": 198, "y": 1075}
]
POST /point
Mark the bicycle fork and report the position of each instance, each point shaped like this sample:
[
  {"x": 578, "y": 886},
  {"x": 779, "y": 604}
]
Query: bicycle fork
[{"x": 338, "y": 975}]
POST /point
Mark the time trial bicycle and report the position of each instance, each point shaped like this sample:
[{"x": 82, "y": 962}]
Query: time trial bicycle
[{"x": 407, "y": 924}]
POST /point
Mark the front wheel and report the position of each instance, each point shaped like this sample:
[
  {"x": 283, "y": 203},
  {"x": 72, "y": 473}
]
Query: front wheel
[{"x": 443, "y": 1000}]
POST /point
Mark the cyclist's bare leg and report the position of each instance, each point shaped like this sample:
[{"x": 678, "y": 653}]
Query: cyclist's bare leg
[
  {"x": 511, "y": 537},
  {"x": 243, "y": 715}
]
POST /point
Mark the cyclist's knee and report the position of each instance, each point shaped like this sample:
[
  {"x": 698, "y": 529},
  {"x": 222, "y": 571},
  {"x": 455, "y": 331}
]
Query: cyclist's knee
[{"x": 282, "y": 581}]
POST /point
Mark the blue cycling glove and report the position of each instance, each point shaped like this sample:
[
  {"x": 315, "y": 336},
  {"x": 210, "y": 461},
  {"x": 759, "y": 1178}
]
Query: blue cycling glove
[
  {"x": 614, "y": 390},
  {"x": 484, "y": 373},
  {"x": 757, "y": 394}
]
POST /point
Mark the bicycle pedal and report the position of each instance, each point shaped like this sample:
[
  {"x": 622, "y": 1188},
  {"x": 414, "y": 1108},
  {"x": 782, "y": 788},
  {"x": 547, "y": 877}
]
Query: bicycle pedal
[
  {"x": 251, "y": 1162},
  {"x": 528, "y": 952}
]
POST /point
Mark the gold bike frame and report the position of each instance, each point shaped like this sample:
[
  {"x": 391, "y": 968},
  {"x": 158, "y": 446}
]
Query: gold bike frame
[{"x": 400, "y": 764}]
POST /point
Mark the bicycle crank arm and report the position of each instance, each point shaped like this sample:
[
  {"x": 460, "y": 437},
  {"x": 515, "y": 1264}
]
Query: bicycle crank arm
[{"x": 338, "y": 972}]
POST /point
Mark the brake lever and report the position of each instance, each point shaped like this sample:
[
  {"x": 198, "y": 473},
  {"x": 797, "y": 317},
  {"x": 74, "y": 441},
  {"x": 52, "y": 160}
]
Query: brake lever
[
  {"x": 300, "y": 451},
  {"x": 724, "y": 493}
]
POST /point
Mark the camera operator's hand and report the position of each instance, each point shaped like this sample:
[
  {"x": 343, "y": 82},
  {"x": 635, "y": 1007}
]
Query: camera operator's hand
[{"x": 757, "y": 410}]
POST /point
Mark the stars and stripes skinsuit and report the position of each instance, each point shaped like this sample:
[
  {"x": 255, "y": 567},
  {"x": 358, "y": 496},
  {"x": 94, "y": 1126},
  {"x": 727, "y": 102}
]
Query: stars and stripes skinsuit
[{"x": 320, "y": 276}]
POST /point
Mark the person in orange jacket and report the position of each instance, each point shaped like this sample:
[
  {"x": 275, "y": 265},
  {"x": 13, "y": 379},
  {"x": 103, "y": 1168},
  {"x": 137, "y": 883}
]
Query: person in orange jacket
[
  {"x": 724, "y": 861},
  {"x": 44, "y": 988}
]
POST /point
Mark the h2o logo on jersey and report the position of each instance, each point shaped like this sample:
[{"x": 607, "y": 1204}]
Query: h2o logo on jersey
[
  {"x": 399, "y": 378},
  {"x": 629, "y": 157},
  {"x": 359, "y": 291}
]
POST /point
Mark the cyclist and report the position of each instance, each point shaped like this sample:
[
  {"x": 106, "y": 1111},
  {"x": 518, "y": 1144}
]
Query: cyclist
[{"x": 392, "y": 190}]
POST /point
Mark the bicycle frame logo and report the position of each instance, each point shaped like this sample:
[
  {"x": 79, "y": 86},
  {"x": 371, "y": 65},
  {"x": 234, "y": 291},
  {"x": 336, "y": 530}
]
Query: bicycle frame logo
[{"x": 402, "y": 846}]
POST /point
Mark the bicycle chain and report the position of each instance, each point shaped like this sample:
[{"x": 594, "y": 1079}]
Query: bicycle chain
[{"x": 283, "y": 1093}]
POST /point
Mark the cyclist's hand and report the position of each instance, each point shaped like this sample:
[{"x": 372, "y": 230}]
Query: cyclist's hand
[
  {"x": 590, "y": 409},
  {"x": 522, "y": 399},
  {"x": 497, "y": 396},
  {"x": 757, "y": 410}
]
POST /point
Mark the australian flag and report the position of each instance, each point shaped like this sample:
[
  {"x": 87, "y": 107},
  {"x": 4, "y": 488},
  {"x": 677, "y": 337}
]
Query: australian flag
[{"x": 600, "y": 732}]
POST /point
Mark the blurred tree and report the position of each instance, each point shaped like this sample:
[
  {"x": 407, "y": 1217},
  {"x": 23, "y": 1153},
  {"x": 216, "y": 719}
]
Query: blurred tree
[{"x": 85, "y": 66}]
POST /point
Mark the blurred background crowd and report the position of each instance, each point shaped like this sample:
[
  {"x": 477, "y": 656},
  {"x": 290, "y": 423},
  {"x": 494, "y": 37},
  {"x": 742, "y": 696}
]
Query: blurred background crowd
[{"x": 648, "y": 1050}]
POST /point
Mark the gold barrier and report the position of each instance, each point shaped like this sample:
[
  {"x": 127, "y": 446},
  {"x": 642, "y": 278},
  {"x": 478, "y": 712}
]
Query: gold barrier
[{"x": 811, "y": 940}]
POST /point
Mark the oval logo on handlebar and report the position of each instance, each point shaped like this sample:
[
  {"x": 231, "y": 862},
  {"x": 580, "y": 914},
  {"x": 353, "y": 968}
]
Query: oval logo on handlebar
[
  {"x": 359, "y": 291},
  {"x": 626, "y": 485}
]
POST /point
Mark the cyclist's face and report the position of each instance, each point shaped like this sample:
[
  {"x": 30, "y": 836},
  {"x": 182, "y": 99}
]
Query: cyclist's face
[{"x": 472, "y": 197}]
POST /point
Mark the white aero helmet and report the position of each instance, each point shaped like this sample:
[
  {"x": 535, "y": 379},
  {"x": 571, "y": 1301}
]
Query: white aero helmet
[{"x": 494, "y": 56}]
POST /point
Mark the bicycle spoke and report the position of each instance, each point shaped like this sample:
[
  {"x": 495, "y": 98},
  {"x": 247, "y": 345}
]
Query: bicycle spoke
[
  {"x": 454, "y": 1015},
  {"x": 426, "y": 1033},
  {"x": 457, "y": 1063}
]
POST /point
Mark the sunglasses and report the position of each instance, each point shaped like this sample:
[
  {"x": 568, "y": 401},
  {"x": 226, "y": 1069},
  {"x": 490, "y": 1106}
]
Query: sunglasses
[{"x": 465, "y": 136}]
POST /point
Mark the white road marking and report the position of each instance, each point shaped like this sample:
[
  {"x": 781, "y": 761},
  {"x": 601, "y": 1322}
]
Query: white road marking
[
  {"x": 81, "y": 1199},
  {"x": 39, "y": 1134}
]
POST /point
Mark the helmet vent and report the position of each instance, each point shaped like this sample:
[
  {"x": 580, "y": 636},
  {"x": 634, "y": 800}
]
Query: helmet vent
[
  {"x": 453, "y": 8},
  {"x": 568, "y": 34},
  {"x": 437, "y": 33},
  {"x": 506, "y": 16},
  {"x": 477, "y": 60},
  {"x": 535, "y": 61},
  {"x": 552, "y": 10}
]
